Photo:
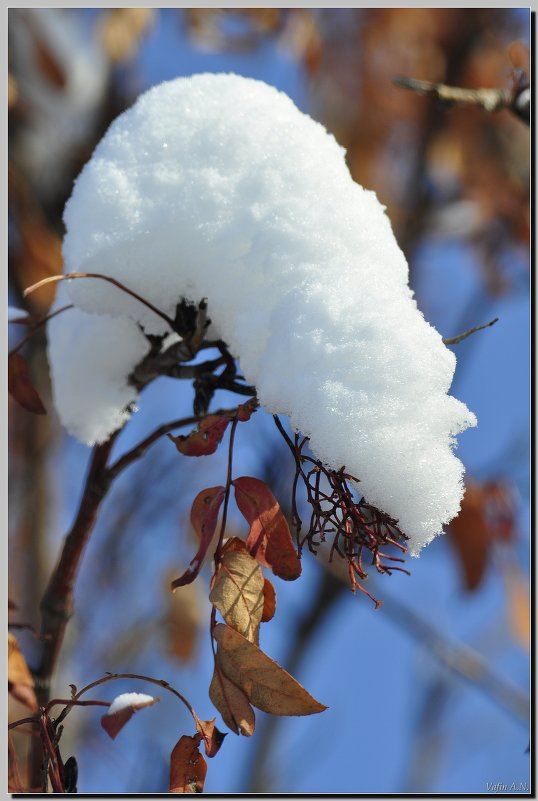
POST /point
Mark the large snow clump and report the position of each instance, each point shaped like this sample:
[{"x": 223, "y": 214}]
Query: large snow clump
[{"x": 217, "y": 186}]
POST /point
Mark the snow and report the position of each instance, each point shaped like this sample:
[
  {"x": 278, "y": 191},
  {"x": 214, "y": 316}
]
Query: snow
[
  {"x": 217, "y": 186},
  {"x": 127, "y": 700}
]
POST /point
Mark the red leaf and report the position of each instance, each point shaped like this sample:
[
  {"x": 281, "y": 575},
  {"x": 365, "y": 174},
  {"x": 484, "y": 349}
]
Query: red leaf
[
  {"x": 20, "y": 386},
  {"x": 486, "y": 516},
  {"x": 269, "y": 539},
  {"x": 122, "y": 710},
  {"x": 187, "y": 766},
  {"x": 213, "y": 737},
  {"x": 204, "y": 515},
  {"x": 207, "y": 437},
  {"x": 246, "y": 410},
  {"x": 269, "y": 601}
]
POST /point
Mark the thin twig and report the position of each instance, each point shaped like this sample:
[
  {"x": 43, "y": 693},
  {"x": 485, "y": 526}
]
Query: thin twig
[
  {"x": 38, "y": 324},
  {"x": 67, "y": 277},
  {"x": 113, "y": 677},
  {"x": 455, "y": 340},
  {"x": 488, "y": 99},
  {"x": 516, "y": 100},
  {"x": 139, "y": 450}
]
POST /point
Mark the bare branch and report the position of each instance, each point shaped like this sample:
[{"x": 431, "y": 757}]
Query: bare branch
[
  {"x": 517, "y": 100},
  {"x": 140, "y": 449},
  {"x": 57, "y": 602},
  {"x": 460, "y": 337}
]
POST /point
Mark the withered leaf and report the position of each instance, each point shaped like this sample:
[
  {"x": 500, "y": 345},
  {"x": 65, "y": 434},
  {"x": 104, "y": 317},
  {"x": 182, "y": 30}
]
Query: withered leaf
[
  {"x": 269, "y": 601},
  {"x": 204, "y": 515},
  {"x": 232, "y": 703},
  {"x": 20, "y": 387},
  {"x": 188, "y": 767},
  {"x": 486, "y": 515},
  {"x": 20, "y": 681},
  {"x": 122, "y": 710},
  {"x": 205, "y": 439},
  {"x": 184, "y": 620},
  {"x": 212, "y": 737},
  {"x": 121, "y": 30},
  {"x": 246, "y": 410},
  {"x": 238, "y": 590},
  {"x": 266, "y": 685},
  {"x": 518, "y": 602},
  {"x": 269, "y": 539}
]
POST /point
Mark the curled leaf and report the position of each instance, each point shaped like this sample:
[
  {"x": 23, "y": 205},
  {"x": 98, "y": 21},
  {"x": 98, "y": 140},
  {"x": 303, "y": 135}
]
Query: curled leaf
[
  {"x": 208, "y": 435},
  {"x": 19, "y": 678},
  {"x": 269, "y": 601},
  {"x": 232, "y": 703},
  {"x": 184, "y": 620},
  {"x": 269, "y": 539},
  {"x": 212, "y": 737},
  {"x": 204, "y": 515},
  {"x": 122, "y": 709},
  {"x": 246, "y": 410},
  {"x": 188, "y": 767},
  {"x": 20, "y": 387},
  {"x": 205, "y": 439},
  {"x": 238, "y": 590},
  {"x": 266, "y": 685}
]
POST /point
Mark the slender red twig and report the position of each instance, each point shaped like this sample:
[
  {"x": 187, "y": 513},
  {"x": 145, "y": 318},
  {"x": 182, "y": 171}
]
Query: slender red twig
[
  {"x": 69, "y": 276},
  {"x": 37, "y": 325}
]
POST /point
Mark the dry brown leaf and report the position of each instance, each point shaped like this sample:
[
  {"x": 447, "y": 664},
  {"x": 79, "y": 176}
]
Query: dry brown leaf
[
  {"x": 232, "y": 703},
  {"x": 266, "y": 685},
  {"x": 269, "y": 601},
  {"x": 269, "y": 539},
  {"x": 183, "y": 620},
  {"x": 204, "y": 515},
  {"x": 213, "y": 737},
  {"x": 121, "y": 31},
  {"x": 207, "y": 436},
  {"x": 20, "y": 387},
  {"x": 39, "y": 256},
  {"x": 20, "y": 681},
  {"x": 188, "y": 767},
  {"x": 238, "y": 590},
  {"x": 12, "y": 91},
  {"x": 486, "y": 516},
  {"x": 519, "y": 610},
  {"x": 122, "y": 710}
]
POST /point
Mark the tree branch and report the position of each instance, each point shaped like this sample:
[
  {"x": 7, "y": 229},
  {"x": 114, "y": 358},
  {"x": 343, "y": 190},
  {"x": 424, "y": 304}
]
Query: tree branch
[
  {"x": 140, "y": 449},
  {"x": 517, "y": 101},
  {"x": 460, "y": 337},
  {"x": 57, "y": 602}
]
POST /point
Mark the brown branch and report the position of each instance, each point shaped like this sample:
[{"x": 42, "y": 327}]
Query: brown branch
[
  {"x": 488, "y": 99},
  {"x": 140, "y": 449},
  {"x": 74, "y": 701},
  {"x": 57, "y": 602},
  {"x": 460, "y": 337},
  {"x": 518, "y": 101}
]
